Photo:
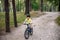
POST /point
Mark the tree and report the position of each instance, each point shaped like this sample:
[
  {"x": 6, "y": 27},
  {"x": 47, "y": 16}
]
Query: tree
[
  {"x": 55, "y": 3},
  {"x": 27, "y": 7},
  {"x": 18, "y": 4},
  {"x": 1, "y": 5},
  {"x": 41, "y": 5},
  {"x": 59, "y": 6},
  {"x": 30, "y": 5},
  {"x": 6, "y": 5},
  {"x": 14, "y": 13}
]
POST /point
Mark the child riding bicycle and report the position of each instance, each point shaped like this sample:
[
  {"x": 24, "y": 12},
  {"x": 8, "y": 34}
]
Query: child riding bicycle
[{"x": 28, "y": 22}]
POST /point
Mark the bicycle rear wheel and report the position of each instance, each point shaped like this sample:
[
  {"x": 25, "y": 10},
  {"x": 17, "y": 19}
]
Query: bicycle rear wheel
[{"x": 31, "y": 31}]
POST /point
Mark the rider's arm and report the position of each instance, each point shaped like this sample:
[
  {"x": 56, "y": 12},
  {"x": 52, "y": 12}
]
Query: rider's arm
[
  {"x": 31, "y": 23},
  {"x": 25, "y": 21}
]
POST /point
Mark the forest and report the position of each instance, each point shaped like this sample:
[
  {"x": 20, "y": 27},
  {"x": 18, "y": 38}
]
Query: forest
[{"x": 12, "y": 11}]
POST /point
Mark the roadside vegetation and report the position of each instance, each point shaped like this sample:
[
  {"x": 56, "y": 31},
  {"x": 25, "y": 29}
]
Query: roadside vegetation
[{"x": 58, "y": 20}]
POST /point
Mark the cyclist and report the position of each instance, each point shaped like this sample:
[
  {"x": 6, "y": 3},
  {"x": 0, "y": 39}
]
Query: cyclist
[{"x": 28, "y": 21}]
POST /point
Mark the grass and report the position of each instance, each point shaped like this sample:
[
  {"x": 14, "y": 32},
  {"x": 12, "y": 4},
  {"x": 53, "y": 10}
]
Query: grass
[
  {"x": 2, "y": 20},
  {"x": 58, "y": 20},
  {"x": 36, "y": 14},
  {"x": 20, "y": 18}
]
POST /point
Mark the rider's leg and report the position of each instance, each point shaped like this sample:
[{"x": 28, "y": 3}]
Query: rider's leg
[{"x": 30, "y": 28}]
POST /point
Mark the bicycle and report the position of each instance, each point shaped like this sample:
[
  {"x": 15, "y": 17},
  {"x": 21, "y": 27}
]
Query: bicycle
[{"x": 28, "y": 32}]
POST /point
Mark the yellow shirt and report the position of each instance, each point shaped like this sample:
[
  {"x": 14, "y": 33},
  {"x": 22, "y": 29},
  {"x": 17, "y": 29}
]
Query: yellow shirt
[{"x": 27, "y": 21}]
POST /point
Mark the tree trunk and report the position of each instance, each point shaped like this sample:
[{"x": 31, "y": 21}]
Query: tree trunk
[
  {"x": 59, "y": 6},
  {"x": 30, "y": 5},
  {"x": 27, "y": 7},
  {"x": 41, "y": 5},
  {"x": 14, "y": 13},
  {"x": 6, "y": 4}
]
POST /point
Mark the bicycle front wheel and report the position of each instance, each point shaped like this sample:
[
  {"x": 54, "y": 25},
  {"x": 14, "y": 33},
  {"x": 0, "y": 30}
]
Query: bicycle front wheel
[{"x": 26, "y": 34}]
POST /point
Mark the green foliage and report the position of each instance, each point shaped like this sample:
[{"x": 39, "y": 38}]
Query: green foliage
[
  {"x": 58, "y": 20},
  {"x": 35, "y": 6},
  {"x": 20, "y": 18},
  {"x": 54, "y": 2},
  {"x": 2, "y": 20},
  {"x": 51, "y": 5},
  {"x": 19, "y": 5}
]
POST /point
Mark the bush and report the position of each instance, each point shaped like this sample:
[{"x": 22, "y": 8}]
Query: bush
[
  {"x": 58, "y": 20},
  {"x": 35, "y": 6}
]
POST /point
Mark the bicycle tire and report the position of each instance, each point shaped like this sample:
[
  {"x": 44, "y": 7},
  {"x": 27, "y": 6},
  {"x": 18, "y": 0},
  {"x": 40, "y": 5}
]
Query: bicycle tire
[
  {"x": 26, "y": 34},
  {"x": 31, "y": 32}
]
